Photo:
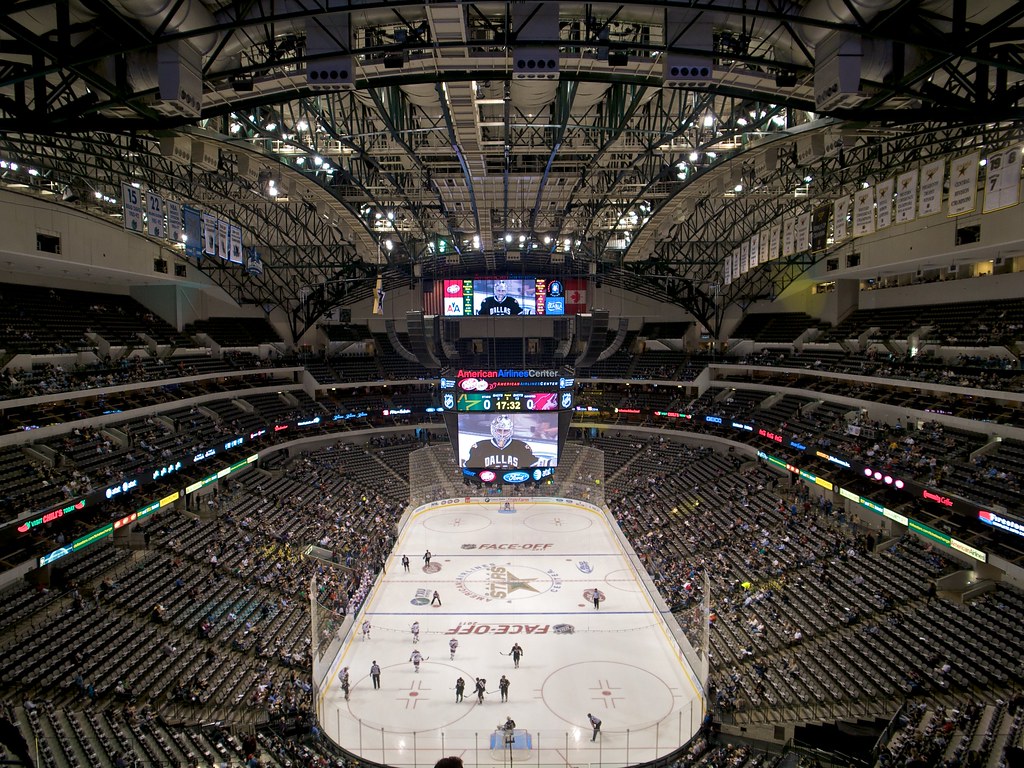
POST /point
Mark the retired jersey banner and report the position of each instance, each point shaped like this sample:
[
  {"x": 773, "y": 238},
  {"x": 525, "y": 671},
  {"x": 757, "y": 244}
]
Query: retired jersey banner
[
  {"x": 235, "y": 244},
  {"x": 1002, "y": 182},
  {"x": 775, "y": 241},
  {"x": 963, "y": 185},
  {"x": 727, "y": 270},
  {"x": 222, "y": 239},
  {"x": 174, "y": 223},
  {"x": 209, "y": 234},
  {"x": 154, "y": 215},
  {"x": 192, "y": 223},
  {"x": 883, "y": 202},
  {"x": 755, "y": 249},
  {"x": 131, "y": 200},
  {"x": 864, "y": 212},
  {"x": 906, "y": 196},
  {"x": 762, "y": 244},
  {"x": 744, "y": 257},
  {"x": 933, "y": 176}
]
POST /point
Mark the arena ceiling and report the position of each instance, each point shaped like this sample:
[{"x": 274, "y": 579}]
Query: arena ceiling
[{"x": 635, "y": 141}]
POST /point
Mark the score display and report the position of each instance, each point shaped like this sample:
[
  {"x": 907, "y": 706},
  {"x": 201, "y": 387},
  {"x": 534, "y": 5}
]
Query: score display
[{"x": 506, "y": 424}]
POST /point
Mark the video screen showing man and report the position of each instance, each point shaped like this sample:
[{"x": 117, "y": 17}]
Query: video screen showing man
[
  {"x": 500, "y": 447},
  {"x": 500, "y": 303}
]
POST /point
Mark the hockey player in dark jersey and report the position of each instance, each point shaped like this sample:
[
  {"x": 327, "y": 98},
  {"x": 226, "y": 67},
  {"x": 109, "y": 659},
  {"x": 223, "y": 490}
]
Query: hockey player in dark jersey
[
  {"x": 500, "y": 303},
  {"x": 502, "y": 450}
]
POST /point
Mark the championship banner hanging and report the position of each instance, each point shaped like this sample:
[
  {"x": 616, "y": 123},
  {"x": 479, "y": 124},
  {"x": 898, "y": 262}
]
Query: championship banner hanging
[
  {"x": 883, "y": 202},
  {"x": 963, "y": 185},
  {"x": 864, "y": 212},
  {"x": 933, "y": 176},
  {"x": 906, "y": 197},
  {"x": 841, "y": 210}
]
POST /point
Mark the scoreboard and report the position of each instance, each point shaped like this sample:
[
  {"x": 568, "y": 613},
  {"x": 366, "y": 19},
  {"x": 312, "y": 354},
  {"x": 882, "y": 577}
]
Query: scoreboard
[{"x": 508, "y": 424}]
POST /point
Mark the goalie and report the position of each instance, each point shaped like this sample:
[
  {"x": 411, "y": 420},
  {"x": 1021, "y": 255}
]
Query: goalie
[{"x": 502, "y": 450}]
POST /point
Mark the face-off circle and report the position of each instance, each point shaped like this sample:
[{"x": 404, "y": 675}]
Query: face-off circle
[{"x": 493, "y": 581}]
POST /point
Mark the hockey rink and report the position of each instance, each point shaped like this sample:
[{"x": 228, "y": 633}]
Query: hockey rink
[{"x": 524, "y": 576}]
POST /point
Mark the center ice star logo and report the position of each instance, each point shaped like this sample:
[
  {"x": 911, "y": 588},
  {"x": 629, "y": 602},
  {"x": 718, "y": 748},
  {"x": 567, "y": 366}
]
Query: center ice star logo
[{"x": 490, "y": 581}]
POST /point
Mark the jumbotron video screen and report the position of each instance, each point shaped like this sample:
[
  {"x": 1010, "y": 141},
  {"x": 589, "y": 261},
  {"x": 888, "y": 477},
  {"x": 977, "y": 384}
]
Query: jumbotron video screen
[{"x": 508, "y": 425}]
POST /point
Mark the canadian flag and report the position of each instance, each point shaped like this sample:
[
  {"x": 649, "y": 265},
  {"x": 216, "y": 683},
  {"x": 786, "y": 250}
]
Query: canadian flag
[{"x": 575, "y": 296}]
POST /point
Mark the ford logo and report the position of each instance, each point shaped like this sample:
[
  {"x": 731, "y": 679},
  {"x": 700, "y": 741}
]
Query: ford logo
[{"x": 516, "y": 477}]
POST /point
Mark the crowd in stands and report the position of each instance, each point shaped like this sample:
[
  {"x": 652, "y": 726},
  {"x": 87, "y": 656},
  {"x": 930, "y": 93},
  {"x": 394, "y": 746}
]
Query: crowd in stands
[{"x": 790, "y": 579}]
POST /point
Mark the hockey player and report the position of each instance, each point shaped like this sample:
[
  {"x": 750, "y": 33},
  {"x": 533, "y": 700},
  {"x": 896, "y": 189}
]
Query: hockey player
[
  {"x": 516, "y": 653},
  {"x": 500, "y": 303},
  {"x": 503, "y": 685},
  {"x": 481, "y": 689},
  {"x": 453, "y": 646},
  {"x": 416, "y": 658},
  {"x": 460, "y": 687},
  {"x": 502, "y": 450},
  {"x": 415, "y": 632},
  {"x": 343, "y": 677},
  {"x": 366, "y": 630}
]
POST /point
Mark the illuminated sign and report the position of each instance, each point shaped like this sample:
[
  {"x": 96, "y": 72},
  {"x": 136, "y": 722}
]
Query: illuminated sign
[
  {"x": 203, "y": 455},
  {"x": 833, "y": 459},
  {"x": 770, "y": 435},
  {"x": 516, "y": 476},
  {"x": 52, "y": 515},
  {"x": 634, "y": 411},
  {"x": 713, "y": 419},
  {"x": 882, "y": 477},
  {"x": 488, "y": 476},
  {"x": 746, "y": 427},
  {"x": 280, "y": 427},
  {"x": 447, "y": 383},
  {"x": 1001, "y": 521},
  {"x": 928, "y": 533},
  {"x": 673, "y": 414},
  {"x": 968, "y": 550},
  {"x": 117, "y": 490},
  {"x": 167, "y": 470},
  {"x": 233, "y": 443},
  {"x": 127, "y": 520},
  {"x": 798, "y": 446},
  {"x": 938, "y": 498},
  {"x": 901, "y": 519},
  {"x": 91, "y": 538},
  {"x": 849, "y": 495},
  {"x": 310, "y": 422},
  {"x": 390, "y": 412},
  {"x": 257, "y": 433},
  {"x": 566, "y": 383},
  {"x": 57, "y": 554}
]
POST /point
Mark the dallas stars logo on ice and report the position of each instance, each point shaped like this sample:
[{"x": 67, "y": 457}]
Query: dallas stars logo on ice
[{"x": 491, "y": 581}]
